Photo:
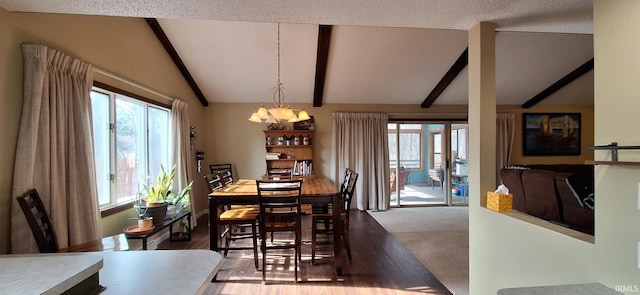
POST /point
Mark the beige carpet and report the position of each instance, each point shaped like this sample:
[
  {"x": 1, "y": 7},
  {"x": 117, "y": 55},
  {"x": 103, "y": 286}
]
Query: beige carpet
[{"x": 437, "y": 236}]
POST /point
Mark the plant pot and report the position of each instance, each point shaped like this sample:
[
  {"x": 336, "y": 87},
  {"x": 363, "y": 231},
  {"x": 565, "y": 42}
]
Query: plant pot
[
  {"x": 173, "y": 210},
  {"x": 157, "y": 211},
  {"x": 145, "y": 223}
]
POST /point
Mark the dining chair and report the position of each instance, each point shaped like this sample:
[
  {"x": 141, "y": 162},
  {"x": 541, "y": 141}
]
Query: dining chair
[
  {"x": 324, "y": 208},
  {"x": 213, "y": 181},
  {"x": 235, "y": 220},
  {"x": 346, "y": 195},
  {"x": 226, "y": 167},
  {"x": 280, "y": 212},
  {"x": 39, "y": 221},
  {"x": 226, "y": 176},
  {"x": 280, "y": 174},
  {"x": 45, "y": 236}
]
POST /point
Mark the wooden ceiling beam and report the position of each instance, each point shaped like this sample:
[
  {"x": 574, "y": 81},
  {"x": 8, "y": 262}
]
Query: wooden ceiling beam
[
  {"x": 575, "y": 74},
  {"x": 164, "y": 40},
  {"x": 322, "y": 57},
  {"x": 446, "y": 80}
]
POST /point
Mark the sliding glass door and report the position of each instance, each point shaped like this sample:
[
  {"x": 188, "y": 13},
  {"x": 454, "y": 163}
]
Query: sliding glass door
[
  {"x": 459, "y": 164},
  {"x": 428, "y": 162}
]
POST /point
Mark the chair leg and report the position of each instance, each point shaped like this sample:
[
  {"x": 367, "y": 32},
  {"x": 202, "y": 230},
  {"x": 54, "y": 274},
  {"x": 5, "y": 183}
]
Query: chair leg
[
  {"x": 227, "y": 240},
  {"x": 347, "y": 246},
  {"x": 299, "y": 244},
  {"x": 296, "y": 253},
  {"x": 313, "y": 242},
  {"x": 263, "y": 249},
  {"x": 255, "y": 244}
]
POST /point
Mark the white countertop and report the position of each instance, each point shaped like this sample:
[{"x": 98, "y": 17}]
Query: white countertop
[
  {"x": 121, "y": 272},
  {"x": 576, "y": 289},
  {"x": 46, "y": 273},
  {"x": 159, "y": 272}
]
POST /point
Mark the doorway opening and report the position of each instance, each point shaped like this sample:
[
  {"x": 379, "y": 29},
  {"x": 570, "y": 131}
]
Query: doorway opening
[{"x": 428, "y": 163}]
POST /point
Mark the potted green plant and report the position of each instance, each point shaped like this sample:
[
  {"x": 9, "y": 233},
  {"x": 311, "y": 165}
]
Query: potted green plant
[
  {"x": 159, "y": 195},
  {"x": 179, "y": 201},
  {"x": 159, "y": 191},
  {"x": 144, "y": 221}
]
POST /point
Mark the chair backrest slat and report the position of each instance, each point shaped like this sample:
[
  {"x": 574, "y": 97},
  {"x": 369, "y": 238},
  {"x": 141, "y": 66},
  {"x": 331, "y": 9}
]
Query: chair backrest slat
[
  {"x": 226, "y": 176},
  {"x": 213, "y": 182},
  {"x": 349, "y": 188},
  {"x": 215, "y": 168}
]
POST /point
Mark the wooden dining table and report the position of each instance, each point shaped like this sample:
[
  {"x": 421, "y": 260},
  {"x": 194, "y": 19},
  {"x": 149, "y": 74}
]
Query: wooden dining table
[{"x": 317, "y": 190}]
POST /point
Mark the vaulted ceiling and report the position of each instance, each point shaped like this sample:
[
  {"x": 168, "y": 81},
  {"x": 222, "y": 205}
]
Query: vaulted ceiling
[{"x": 364, "y": 52}]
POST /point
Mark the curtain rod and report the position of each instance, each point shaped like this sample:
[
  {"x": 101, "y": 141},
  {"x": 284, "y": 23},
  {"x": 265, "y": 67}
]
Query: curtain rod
[{"x": 134, "y": 84}]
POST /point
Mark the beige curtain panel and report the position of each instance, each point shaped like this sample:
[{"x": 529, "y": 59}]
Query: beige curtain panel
[
  {"x": 55, "y": 148},
  {"x": 360, "y": 142},
  {"x": 505, "y": 134},
  {"x": 180, "y": 134}
]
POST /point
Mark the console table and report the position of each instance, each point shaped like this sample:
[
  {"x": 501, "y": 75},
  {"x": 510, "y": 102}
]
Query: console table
[{"x": 168, "y": 222}]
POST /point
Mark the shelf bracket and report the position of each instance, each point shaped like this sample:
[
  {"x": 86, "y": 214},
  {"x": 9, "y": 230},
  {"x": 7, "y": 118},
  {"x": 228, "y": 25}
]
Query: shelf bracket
[{"x": 613, "y": 147}]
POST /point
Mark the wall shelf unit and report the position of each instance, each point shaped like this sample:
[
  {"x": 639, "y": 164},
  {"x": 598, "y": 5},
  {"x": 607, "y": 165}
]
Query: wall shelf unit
[{"x": 289, "y": 152}]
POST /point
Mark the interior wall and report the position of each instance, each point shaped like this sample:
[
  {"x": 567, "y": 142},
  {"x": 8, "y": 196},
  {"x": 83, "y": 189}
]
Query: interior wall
[
  {"x": 506, "y": 252},
  {"x": 617, "y": 64},
  {"x": 243, "y": 144},
  {"x": 586, "y": 134},
  {"x": 125, "y": 47}
]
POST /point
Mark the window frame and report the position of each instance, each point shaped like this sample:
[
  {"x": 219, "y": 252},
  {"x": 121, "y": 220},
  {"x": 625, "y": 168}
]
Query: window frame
[
  {"x": 118, "y": 203},
  {"x": 419, "y": 132},
  {"x": 432, "y": 152}
]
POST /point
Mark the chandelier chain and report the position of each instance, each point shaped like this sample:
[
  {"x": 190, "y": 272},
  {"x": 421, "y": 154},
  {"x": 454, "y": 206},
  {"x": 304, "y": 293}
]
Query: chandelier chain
[
  {"x": 279, "y": 112},
  {"x": 278, "y": 95},
  {"x": 278, "y": 53}
]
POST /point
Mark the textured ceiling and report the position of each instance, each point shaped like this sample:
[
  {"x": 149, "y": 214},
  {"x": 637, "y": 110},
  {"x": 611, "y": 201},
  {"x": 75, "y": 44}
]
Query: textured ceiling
[
  {"x": 566, "y": 16},
  {"x": 381, "y": 51}
]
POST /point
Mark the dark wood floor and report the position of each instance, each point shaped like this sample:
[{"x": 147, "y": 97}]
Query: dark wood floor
[{"x": 381, "y": 265}]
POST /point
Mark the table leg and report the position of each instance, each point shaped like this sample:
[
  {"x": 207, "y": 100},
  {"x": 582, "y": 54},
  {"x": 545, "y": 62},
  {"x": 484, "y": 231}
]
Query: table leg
[
  {"x": 144, "y": 243},
  {"x": 213, "y": 224},
  {"x": 337, "y": 229},
  {"x": 171, "y": 232},
  {"x": 189, "y": 226}
]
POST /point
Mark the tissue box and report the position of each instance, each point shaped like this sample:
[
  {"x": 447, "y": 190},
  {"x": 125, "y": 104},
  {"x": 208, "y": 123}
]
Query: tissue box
[{"x": 499, "y": 202}]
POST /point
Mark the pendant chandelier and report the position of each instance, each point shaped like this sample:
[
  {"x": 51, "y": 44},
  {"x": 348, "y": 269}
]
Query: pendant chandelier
[{"x": 279, "y": 112}]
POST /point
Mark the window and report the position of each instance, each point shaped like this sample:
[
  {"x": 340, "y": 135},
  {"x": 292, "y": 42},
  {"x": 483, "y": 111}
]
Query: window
[
  {"x": 436, "y": 149},
  {"x": 131, "y": 141},
  {"x": 459, "y": 142},
  {"x": 411, "y": 145}
]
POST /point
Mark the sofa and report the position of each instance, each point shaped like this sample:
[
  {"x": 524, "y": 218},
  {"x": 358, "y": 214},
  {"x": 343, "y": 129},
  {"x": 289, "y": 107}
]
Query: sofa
[{"x": 562, "y": 194}]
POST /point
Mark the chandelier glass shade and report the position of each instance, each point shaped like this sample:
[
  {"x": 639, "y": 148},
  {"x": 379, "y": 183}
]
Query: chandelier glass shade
[{"x": 279, "y": 112}]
